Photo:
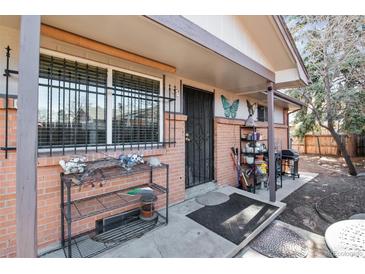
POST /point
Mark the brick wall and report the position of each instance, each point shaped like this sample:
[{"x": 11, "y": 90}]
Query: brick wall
[
  {"x": 226, "y": 135},
  {"x": 7, "y": 183},
  {"x": 49, "y": 186}
]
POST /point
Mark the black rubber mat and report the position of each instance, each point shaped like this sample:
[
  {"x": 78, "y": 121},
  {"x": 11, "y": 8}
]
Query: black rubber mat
[{"x": 235, "y": 219}]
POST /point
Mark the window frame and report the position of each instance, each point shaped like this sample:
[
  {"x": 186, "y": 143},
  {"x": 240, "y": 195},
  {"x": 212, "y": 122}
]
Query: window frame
[
  {"x": 266, "y": 114},
  {"x": 109, "y": 100}
]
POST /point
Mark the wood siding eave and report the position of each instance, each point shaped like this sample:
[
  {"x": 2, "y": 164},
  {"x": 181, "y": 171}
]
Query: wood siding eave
[
  {"x": 84, "y": 42},
  {"x": 193, "y": 32},
  {"x": 288, "y": 38},
  {"x": 285, "y": 97}
]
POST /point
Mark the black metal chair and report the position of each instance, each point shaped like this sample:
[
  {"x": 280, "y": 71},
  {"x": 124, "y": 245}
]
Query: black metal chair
[{"x": 278, "y": 170}]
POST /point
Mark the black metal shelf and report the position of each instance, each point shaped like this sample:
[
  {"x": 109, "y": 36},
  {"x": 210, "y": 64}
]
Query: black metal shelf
[
  {"x": 89, "y": 244},
  {"x": 106, "y": 174},
  {"x": 128, "y": 231},
  {"x": 247, "y": 140},
  {"x": 94, "y": 205},
  {"x": 253, "y": 154},
  {"x": 78, "y": 209}
]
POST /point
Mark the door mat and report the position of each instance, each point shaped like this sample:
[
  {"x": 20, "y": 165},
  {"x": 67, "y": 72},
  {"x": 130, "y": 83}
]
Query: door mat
[
  {"x": 278, "y": 241},
  {"x": 235, "y": 219}
]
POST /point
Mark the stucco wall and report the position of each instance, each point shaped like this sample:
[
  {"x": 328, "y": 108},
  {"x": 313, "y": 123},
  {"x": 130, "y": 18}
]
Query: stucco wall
[
  {"x": 231, "y": 30},
  {"x": 242, "y": 112}
]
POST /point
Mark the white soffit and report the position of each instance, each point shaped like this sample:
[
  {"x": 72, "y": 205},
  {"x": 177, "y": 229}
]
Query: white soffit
[{"x": 142, "y": 36}]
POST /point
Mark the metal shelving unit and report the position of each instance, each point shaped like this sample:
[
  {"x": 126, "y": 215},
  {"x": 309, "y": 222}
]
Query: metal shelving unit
[
  {"x": 78, "y": 209},
  {"x": 253, "y": 154}
]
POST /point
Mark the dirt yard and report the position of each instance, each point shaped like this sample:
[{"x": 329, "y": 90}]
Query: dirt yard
[{"x": 332, "y": 196}]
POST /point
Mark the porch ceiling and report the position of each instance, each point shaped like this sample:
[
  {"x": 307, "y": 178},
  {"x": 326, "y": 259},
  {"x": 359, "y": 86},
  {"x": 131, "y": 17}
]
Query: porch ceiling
[
  {"x": 280, "y": 100},
  {"x": 142, "y": 36}
]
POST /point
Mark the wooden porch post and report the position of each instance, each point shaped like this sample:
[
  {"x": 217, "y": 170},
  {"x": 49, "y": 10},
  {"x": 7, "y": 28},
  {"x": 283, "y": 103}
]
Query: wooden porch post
[
  {"x": 26, "y": 142},
  {"x": 271, "y": 142}
]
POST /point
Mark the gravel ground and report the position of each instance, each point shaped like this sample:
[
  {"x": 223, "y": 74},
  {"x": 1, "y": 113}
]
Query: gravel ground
[{"x": 331, "y": 196}]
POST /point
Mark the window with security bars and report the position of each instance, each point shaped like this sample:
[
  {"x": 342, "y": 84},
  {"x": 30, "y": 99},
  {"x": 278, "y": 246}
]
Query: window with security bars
[
  {"x": 72, "y": 104},
  {"x": 136, "y": 110},
  {"x": 78, "y": 111}
]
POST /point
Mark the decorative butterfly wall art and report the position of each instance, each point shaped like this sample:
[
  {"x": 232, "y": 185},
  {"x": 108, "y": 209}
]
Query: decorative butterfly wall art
[{"x": 230, "y": 110}]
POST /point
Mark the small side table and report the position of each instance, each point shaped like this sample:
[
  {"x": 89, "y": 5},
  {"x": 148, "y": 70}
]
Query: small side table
[{"x": 346, "y": 238}]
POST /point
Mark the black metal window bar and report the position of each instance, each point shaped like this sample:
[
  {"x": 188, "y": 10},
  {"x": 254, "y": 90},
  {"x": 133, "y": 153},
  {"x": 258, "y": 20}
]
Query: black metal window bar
[
  {"x": 7, "y": 73},
  {"x": 73, "y": 109},
  {"x": 72, "y": 105},
  {"x": 136, "y": 110}
]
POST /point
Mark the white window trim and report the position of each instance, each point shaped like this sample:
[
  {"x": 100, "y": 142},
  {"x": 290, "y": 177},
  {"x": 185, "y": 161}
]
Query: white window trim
[{"x": 109, "y": 97}]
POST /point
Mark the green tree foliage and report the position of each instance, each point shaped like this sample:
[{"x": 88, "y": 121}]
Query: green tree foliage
[{"x": 334, "y": 54}]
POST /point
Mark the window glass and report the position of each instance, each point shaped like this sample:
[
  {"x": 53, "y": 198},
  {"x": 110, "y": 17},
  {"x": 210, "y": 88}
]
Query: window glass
[
  {"x": 136, "y": 109},
  {"x": 72, "y": 103},
  {"x": 262, "y": 113}
]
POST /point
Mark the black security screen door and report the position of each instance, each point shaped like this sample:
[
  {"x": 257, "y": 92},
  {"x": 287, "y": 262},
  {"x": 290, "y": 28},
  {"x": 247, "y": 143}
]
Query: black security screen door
[{"x": 198, "y": 106}]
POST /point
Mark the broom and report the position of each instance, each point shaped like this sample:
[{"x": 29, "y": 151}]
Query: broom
[{"x": 240, "y": 171}]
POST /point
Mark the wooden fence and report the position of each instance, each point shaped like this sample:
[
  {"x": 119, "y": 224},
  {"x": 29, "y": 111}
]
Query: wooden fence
[
  {"x": 326, "y": 145},
  {"x": 360, "y": 145}
]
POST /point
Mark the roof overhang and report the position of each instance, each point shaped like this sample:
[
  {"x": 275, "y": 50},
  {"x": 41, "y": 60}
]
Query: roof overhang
[
  {"x": 292, "y": 76},
  {"x": 281, "y": 99},
  {"x": 302, "y": 78},
  {"x": 176, "y": 41},
  {"x": 223, "y": 67},
  {"x": 195, "y": 33}
]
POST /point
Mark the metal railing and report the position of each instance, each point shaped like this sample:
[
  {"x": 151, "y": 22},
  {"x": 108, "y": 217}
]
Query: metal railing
[
  {"x": 74, "y": 107},
  {"x": 7, "y": 73}
]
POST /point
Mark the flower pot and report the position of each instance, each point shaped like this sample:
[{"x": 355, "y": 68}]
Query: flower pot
[{"x": 147, "y": 210}]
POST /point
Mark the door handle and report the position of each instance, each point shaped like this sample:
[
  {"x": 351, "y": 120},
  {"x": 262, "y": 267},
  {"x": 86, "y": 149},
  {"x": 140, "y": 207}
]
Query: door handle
[{"x": 187, "y": 137}]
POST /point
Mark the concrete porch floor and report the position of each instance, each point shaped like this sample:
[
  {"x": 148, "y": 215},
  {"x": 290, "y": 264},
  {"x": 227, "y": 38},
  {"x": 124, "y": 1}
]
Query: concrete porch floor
[
  {"x": 184, "y": 238},
  {"x": 289, "y": 186}
]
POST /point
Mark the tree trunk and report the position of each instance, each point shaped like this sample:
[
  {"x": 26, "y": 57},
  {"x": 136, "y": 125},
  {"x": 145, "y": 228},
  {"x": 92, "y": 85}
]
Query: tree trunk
[{"x": 345, "y": 155}]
